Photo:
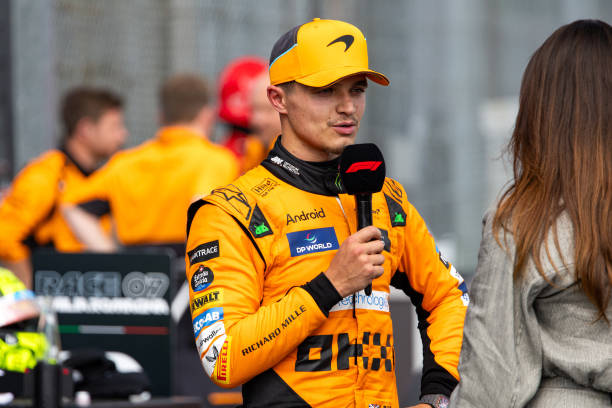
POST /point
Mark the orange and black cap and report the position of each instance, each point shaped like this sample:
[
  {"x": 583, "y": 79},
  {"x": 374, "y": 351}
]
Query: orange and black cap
[{"x": 319, "y": 53}]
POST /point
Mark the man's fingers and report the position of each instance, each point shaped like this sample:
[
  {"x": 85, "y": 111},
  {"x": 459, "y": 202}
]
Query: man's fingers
[
  {"x": 377, "y": 271},
  {"x": 377, "y": 259},
  {"x": 374, "y": 247},
  {"x": 368, "y": 233}
]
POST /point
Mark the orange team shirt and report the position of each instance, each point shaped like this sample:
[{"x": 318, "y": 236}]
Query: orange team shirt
[
  {"x": 30, "y": 213},
  {"x": 150, "y": 187},
  {"x": 254, "y": 152}
]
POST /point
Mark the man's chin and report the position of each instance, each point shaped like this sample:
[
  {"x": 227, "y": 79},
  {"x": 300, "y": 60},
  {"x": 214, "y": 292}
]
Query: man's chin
[{"x": 338, "y": 149}]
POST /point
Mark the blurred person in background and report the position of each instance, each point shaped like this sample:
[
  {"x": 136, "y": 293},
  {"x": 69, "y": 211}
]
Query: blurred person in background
[
  {"x": 245, "y": 110},
  {"x": 264, "y": 122},
  {"x": 93, "y": 129},
  {"x": 537, "y": 332},
  {"x": 277, "y": 270},
  {"x": 149, "y": 188}
]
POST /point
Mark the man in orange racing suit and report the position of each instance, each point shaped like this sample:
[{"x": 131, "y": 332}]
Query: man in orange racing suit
[
  {"x": 30, "y": 217},
  {"x": 277, "y": 269}
]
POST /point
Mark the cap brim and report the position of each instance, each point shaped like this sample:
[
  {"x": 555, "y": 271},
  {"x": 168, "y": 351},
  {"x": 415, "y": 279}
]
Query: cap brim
[{"x": 328, "y": 77}]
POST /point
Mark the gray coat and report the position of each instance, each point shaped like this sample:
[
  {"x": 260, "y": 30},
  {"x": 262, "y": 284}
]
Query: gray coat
[{"x": 528, "y": 343}]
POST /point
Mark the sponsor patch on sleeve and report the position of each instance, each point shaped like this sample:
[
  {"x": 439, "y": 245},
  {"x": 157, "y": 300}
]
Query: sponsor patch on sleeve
[
  {"x": 210, "y": 358},
  {"x": 206, "y": 319},
  {"x": 465, "y": 297},
  {"x": 204, "y": 252},
  {"x": 208, "y": 335},
  {"x": 202, "y": 278},
  {"x": 222, "y": 368},
  {"x": 206, "y": 300}
]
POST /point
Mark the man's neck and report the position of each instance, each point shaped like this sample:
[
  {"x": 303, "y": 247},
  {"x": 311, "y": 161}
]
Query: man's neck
[
  {"x": 195, "y": 128},
  {"x": 83, "y": 157}
]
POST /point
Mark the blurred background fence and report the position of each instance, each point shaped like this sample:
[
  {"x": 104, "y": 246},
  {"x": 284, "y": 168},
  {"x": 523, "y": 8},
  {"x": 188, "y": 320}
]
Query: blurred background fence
[{"x": 455, "y": 68}]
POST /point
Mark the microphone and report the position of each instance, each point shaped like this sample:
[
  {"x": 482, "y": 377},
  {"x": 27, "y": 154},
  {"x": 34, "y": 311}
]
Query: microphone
[{"x": 362, "y": 171}]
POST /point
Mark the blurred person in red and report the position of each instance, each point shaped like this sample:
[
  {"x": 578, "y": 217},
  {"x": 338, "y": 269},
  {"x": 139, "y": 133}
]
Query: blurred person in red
[
  {"x": 244, "y": 108},
  {"x": 265, "y": 122},
  {"x": 29, "y": 211}
]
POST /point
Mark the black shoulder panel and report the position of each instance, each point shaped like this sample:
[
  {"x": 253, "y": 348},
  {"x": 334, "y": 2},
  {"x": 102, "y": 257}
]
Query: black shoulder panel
[
  {"x": 259, "y": 226},
  {"x": 97, "y": 208},
  {"x": 191, "y": 212},
  {"x": 396, "y": 212}
]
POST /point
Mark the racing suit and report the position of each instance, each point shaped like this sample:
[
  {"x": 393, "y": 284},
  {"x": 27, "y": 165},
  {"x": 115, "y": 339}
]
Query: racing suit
[
  {"x": 265, "y": 315},
  {"x": 29, "y": 214},
  {"x": 145, "y": 186}
]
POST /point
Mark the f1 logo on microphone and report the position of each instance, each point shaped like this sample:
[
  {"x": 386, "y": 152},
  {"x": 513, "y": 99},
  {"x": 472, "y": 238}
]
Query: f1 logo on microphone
[{"x": 363, "y": 165}]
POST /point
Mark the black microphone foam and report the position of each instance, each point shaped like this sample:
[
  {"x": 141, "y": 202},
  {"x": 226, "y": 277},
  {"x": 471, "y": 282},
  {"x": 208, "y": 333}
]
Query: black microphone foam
[{"x": 362, "y": 171}]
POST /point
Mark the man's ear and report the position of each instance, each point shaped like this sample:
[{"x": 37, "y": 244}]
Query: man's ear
[
  {"x": 83, "y": 128},
  {"x": 278, "y": 98}
]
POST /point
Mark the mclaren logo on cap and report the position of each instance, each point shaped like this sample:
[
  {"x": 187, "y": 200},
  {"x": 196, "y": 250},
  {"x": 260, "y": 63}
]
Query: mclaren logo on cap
[{"x": 346, "y": 39}]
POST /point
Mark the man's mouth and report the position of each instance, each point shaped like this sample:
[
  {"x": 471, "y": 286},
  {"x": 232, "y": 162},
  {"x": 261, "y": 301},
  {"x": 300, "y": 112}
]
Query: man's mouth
[{"x": 345, "y": 127}]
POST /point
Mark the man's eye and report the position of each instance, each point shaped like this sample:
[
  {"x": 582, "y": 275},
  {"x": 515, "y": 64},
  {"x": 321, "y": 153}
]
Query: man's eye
[
  {"x": 359, "y": 90},
  {"x": 325, "y": 91}
]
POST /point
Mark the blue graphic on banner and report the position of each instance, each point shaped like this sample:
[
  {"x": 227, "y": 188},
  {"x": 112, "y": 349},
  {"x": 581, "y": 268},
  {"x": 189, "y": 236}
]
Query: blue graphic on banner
[
  {"x": 206, "y": 319},
  {"x": 315, "y": 240}
]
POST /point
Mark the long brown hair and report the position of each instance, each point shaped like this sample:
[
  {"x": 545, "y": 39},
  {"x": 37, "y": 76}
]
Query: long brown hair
[{"x": 562, "y": 156}]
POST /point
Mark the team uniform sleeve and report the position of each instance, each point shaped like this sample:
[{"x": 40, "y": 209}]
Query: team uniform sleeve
[
  {"x": 29, "y": 201},
  {"x": 236, "y": 337},
  {"x": 440, "y": 297}
]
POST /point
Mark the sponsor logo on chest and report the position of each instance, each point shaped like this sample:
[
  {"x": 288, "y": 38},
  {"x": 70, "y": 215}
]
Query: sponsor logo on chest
[
  {"x": 264, "y": 187},
  {"x": 314, "y": 240},
  {"x": 305, "y": 215}
]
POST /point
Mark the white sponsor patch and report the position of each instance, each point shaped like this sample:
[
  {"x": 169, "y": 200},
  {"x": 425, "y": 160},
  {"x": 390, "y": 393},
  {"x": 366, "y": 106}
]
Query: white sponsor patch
[
  {"x": 377, "y": 301},
  {"x": 465, "y": 298},
  {"x": 206, "y": 336},
  {"x": 209, "y": 360},
  {"x": 456, "y": 274}
]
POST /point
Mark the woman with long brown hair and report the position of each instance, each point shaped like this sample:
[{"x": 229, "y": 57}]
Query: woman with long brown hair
[{"x": 537, "y": 331}]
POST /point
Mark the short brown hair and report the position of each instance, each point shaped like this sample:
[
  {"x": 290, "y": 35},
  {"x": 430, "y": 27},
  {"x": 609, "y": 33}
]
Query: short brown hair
[
  {"x": 86, "y": 102},
  {"x": 182, "y": 97}
]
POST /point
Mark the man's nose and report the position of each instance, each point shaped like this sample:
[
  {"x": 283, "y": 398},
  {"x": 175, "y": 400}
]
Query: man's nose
[{"x": 346, "y": 104}]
